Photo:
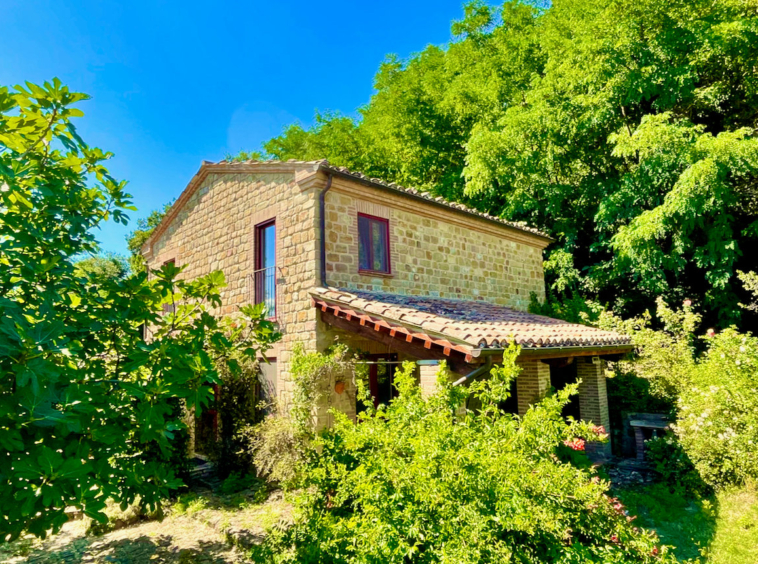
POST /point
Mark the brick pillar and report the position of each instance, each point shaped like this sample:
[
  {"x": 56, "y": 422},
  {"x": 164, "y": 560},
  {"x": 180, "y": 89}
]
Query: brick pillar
[
  {"x": 532, "y": 383},
  {"x": 428, "y": 376},
  {"x": 593, "y": 401}
]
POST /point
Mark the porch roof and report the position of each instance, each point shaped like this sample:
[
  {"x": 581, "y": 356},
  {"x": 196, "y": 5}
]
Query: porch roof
[{"x": 468, "y": 328}]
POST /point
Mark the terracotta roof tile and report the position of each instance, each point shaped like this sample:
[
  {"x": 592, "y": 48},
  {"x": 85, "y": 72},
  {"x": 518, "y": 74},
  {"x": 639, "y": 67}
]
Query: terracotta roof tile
[{"x": 474, "y": 324}]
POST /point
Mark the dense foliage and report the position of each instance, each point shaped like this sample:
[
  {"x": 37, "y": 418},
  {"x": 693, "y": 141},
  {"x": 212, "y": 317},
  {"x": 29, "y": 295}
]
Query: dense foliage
[
  {"x": 709, "y": 381},
  {"x": 138, "y": 237},
  {"x": 236, "y": 404},
  {"x": 84, "y": 398},
  {"x": 423, "y": 481},
  {"x": 717, "y": 420},
  {"x": 102, "y": 266},
  {"x": 674, "y": 467},
  {"x": 281, "y": 443},
  {"x": 623, "y": 128}
]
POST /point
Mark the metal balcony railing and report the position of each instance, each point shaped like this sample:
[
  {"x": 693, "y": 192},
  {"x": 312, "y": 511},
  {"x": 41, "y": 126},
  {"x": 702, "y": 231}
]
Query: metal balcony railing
[{"x": 264, "y": 281}]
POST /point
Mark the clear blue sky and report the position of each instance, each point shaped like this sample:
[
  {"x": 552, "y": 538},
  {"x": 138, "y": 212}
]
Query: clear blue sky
[{"x": 174, "y": 83}]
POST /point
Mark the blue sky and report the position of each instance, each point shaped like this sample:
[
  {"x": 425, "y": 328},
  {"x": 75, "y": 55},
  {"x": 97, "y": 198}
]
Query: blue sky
[{"x": 174, "y": 83}]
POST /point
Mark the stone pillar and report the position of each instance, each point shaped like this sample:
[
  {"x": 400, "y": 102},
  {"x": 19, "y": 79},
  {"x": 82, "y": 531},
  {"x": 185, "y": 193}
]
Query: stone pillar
[
  {"x": 428, "y": 376},
  {"x": 593, "y": 401},
  {"x": 532, "y": 383},
  {"x": 639, "y": 443}
]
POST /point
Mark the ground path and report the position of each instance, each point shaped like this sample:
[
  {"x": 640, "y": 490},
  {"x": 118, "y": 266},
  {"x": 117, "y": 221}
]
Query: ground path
[
  {"x": 203, "y": 527},
  {"x": 174, "y": 540}
]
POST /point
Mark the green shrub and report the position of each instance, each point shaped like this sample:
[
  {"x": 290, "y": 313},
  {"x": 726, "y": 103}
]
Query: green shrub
[
  {"x": 237, "y": 407},
  {"x": 423, "y": 481},
  {"x": 712, "y": 383},
  {"x": 176, "y": 459},
  {"x": 665, "y": 357},
  {"x": 673, "y": 466},
  {"x": 280, "y": 443},
  {"x": 278, "y": 448},
  {"x": 718, "y": 413},
  {"x": 87, "y": 403},
  {"x": 237, "y": 482}
]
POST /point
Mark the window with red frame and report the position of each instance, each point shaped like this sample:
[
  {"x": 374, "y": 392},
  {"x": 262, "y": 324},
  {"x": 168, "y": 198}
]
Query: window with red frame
[{"x": 374, "y": 244}]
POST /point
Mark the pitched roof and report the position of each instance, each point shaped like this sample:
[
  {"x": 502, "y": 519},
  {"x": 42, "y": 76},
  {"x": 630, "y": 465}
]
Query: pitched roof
[
  {"x": 520, "y": 225},
  {"x": 466, "y": 326},
  {"x": 324, "y": 165}
]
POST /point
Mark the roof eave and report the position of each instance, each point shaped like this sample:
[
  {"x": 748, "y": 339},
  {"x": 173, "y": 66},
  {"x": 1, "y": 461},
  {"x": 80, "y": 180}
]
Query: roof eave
[
  {"x": 576, "y": 350},
  {"x": 442, "y": 205}
]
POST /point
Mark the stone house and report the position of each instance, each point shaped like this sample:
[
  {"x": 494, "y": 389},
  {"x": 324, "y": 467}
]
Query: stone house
[{"x": 390, "y": 271}]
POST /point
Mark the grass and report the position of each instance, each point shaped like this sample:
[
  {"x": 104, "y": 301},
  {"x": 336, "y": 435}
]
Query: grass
[
  {"x": 718, "y": 529},
  {"x": 252, "y": 511}
]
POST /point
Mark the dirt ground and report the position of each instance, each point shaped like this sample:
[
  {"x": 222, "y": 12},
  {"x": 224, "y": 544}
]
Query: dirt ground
[
  {"x": 203, "y": 528},
  {"x": 175, "y": 540}
]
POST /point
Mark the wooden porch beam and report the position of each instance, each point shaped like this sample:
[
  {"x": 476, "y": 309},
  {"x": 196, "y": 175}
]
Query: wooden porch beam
[{"x": 456, "y": 361}]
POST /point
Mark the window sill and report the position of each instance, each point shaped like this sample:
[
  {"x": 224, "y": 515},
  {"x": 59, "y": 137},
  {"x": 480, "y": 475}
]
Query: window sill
[{"x": 376, "y": 273}]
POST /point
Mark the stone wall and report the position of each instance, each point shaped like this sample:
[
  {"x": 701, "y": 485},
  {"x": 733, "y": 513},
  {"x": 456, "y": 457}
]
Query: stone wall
[
  {"x": 433, "y": 251},
  {"x": 215, "y": 229},
  {"x": 346, "y": 401}
]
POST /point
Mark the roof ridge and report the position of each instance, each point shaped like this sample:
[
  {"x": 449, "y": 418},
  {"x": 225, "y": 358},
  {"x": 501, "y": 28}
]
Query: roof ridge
[{"x": 324, "y": 164}]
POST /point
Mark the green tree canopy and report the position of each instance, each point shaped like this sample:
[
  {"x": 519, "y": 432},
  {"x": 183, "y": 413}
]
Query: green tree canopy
[
  {"x": 83, "y": 396},
  {"x": 624, "y": 128},
  {"x": 102, "y": 266},
  {"x": 137, "y": 238}
]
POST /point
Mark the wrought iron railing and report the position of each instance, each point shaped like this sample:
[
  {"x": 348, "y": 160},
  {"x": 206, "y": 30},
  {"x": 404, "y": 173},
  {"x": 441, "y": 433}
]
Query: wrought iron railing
[{"x": 264, "y": 282}]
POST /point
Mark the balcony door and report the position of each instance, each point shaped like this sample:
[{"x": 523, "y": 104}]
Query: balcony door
[{"x": 265, "y": 266}]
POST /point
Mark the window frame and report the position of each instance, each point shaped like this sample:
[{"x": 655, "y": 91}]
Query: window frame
[
  {"x": 258, "y": 266},
  {"x": 386, "y": 222}
]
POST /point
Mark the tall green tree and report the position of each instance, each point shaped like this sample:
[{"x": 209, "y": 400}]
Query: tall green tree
[
  {"x": 137, "y": 238},
  {"x": 623, "y": 128},
  {"x": 102, "y": 266},
  {"x": 83, "y": 396}
]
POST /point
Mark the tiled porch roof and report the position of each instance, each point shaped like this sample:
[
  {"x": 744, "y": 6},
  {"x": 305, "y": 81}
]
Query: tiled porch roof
[{"x": 464, "y": 326}]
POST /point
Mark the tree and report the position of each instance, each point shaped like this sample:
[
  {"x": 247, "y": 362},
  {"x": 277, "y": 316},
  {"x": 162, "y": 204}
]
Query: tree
[
  {"x": 137, "y": 238},
  {"x": 102, "y": 266},
  {"x": 422, "y": 481},
  {"x": 83, "y": 396},
  {"x": 625, "y": 129}
]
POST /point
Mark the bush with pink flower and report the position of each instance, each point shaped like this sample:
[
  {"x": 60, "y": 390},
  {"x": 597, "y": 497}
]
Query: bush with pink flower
[{"x": 421, "y": 480}]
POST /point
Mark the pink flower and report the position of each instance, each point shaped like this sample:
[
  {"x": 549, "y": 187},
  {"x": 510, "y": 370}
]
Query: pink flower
[
  {"x": 687, "y": 303},
  {"x": 711, "y": 332},
  {"x": 575, "y": 444}
]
